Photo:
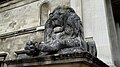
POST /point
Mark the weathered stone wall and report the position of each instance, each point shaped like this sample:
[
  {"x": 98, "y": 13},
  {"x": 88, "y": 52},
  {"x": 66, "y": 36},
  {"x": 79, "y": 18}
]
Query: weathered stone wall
[
  {"x": 20, "y": 18},
  {"x": 95, "y": 25}
]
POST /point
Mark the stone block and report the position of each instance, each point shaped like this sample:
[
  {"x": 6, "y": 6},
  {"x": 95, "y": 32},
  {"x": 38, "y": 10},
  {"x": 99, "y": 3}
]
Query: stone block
[{"x": 82, "y": 59}]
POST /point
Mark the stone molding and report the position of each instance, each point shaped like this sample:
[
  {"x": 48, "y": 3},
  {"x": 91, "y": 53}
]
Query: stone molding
[
  {"x": 21, "y": 32},
  {"x": 83, "y": 57},
  {"x": 14, "y": 4},
  {"x": 3, "y": 54}
]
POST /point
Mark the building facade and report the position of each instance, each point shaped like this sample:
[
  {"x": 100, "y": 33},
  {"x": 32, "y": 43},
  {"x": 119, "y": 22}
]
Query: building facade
[{"x": 23, "y": 20}]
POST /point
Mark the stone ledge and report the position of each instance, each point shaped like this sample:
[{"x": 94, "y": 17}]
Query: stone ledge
[
  {"x": 4, "y": 1},
  {"x": 21, "y": 32},
  {"x": 3, "y": 54},
  {"x": 11, "y": 4},
  {"x": 58, "y": 59}
]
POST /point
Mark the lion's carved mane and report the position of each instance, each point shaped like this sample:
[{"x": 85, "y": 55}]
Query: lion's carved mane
[{"x": 66, "y": 18}]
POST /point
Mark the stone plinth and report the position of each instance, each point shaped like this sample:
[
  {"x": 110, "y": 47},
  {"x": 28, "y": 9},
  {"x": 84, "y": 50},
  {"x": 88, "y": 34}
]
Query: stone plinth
[{"x": 82, "y": 59}]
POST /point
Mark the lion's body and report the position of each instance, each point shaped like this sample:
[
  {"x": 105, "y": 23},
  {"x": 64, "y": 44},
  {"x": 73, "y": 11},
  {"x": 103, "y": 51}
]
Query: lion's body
[{"x": 63, "y": 33}]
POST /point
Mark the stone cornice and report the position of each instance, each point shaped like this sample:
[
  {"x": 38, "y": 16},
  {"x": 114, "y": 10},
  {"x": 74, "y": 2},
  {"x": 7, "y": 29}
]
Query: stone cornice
[
  {"x": 3, "y": 54},
  {"x": 21, "y": 32},
  {"x": 14, "y": 4},
  {"x": 82, "y": 57},
  {"x": 4, "y": 1}
]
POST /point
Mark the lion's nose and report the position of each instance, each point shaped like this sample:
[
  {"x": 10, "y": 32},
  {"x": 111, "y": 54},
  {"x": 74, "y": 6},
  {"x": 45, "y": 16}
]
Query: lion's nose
[
  {"x": 31, "y": 46},
  {"x": 54, "y": 18}
]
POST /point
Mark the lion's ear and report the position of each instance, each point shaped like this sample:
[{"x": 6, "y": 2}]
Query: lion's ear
[{"x": 51, "y": 14}]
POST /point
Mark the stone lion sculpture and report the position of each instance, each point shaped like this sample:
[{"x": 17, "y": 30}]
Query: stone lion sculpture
[{"x": 63, "y": 34}]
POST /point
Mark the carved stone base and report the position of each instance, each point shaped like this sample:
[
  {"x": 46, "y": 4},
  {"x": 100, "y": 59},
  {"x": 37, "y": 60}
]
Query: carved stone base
[{"x": 82, "y": 59}]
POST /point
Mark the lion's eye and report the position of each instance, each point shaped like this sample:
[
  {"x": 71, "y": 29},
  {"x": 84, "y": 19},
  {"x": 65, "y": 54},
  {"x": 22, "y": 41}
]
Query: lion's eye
[
  {"x": 59, "y": 13},
  {"x": 50, "y": 14}
]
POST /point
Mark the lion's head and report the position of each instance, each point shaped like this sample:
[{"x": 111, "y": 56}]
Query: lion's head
[{"x": 65, "y": 17}]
